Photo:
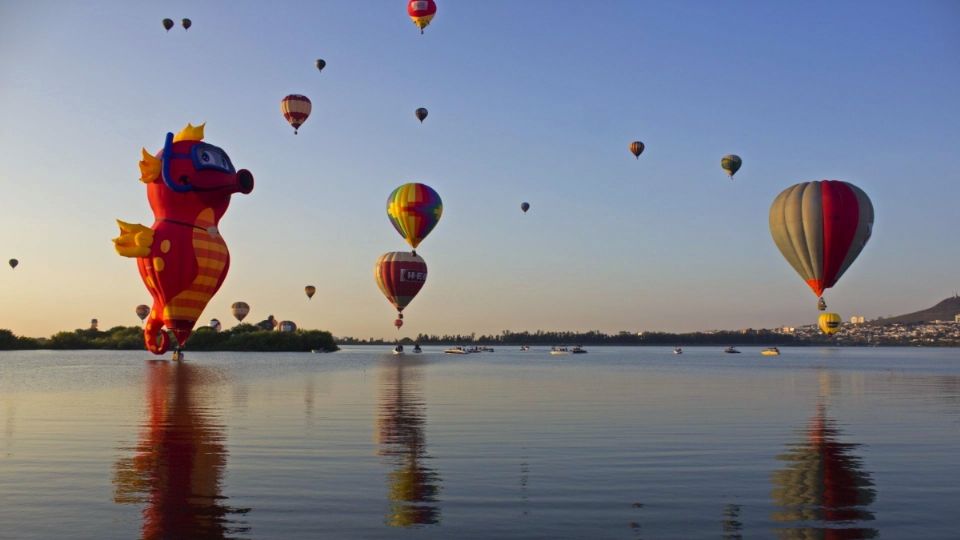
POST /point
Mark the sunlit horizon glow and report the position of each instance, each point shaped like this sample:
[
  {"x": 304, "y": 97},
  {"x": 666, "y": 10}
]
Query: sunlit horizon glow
[{"x": 529, "y": 101}]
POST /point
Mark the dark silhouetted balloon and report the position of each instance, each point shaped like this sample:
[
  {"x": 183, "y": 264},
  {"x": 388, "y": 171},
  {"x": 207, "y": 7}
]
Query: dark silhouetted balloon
[
  {"x": 14, "y": 263},
  {"x": 636, "y": 148},
  {"x": 186, "y": 24},
  {"x": 310, "y": 290},
  {"x": 168, "y": 24},
  {"x": 321, "y": 63},
  {"x": 731, "y": 163},
  {"x": 421, "y": 114},
  {"x": 142, "y": 311},
  {"x": 525, "y": 206}
]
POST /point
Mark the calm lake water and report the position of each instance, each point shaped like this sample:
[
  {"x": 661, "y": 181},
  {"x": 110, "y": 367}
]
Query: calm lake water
[{"x": 618, "y": 443}]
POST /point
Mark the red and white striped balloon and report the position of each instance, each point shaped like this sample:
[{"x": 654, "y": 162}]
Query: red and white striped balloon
[{"x": 296, "y": 109}]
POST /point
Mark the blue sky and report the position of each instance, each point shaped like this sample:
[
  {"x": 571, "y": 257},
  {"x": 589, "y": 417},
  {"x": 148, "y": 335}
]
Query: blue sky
[{"x": 529, "y": 101}]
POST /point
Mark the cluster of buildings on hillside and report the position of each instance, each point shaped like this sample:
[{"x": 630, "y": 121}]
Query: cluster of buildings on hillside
[{"x": 858, "y": 332}]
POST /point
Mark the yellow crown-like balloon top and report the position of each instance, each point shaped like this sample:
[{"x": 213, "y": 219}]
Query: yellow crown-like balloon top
[{"x": 150, "y": 164}]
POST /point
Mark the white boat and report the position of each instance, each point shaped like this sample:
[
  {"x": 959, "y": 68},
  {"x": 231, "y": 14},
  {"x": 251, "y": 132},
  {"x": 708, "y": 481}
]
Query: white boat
[
  {"x": 578, "y": 350},
  {"x": 456, "y": 350},
  {"x": 677, "y": 350},
  {"x": 558, "y": 351},
  {"x": 524, "y": 347},
  {"x": 398, "y": 349}
]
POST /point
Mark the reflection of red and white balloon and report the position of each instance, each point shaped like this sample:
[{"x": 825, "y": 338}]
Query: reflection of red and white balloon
[
  {"x": 421, "y": 12},
  {"x": 400, "y": 276}
]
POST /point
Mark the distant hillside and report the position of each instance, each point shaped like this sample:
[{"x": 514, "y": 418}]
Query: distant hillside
[{"x": 944, "y": 311}]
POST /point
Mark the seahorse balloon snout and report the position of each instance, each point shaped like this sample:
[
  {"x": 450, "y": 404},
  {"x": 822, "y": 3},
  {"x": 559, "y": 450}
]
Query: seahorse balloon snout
[{"x": 183, "y": 258}]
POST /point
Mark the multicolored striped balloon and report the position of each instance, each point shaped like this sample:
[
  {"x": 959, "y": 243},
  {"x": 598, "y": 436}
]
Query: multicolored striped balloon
[
  {"x": 400, "y": 276},
  {"x": 414, "y": 210},
  {"x": 296, "y": 109},
  {"x": 820, "y": 228}
]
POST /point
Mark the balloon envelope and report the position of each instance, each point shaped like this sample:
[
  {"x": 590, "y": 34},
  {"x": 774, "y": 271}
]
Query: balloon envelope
[
  {"x": 421, "y": 114},
  {"x": 820, "y": 227},
  {"x": 240, "y": 310},
  {"x": 310, "y": 290},
  {"x": 168, "y": 24},
  {"x": 414, "y": 210},
  {"x": 321, "y": 64},
  {"x": 186, "y": 24},
  {"x": 142, "y": 311},
  {"x": 13, "y": 263},
  {"x": 636, "y": 148},
  {"x": 421, "y": 12},
  {"x": 525, "y": 206},
  {"x": 731, "y": 163},
  {"x": 296, "y": 109},
  {"x": 829, "y": 323},
  {"x": 400, "y": 276}
]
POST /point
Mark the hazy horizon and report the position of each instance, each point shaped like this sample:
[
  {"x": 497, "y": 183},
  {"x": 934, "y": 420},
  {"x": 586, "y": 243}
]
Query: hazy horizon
[{"x": 529, "y": 101}]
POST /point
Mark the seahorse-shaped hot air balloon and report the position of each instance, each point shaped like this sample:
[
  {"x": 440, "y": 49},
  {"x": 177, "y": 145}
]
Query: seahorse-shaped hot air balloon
[{"x": 182, "y": 258}]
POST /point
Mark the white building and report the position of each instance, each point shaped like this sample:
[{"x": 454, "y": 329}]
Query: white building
[{"x": 857, "y": 319}]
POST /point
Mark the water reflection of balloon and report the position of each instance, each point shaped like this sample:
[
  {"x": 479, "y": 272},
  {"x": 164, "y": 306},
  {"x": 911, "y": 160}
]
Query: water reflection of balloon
[
  {"x": 731, "y": 163},
  {"x": 823, "y": 491},
  {"x": 176, "y": 469},
  {"x": 296, "y": 109},
  {"x": 636, "y": 148},
  {"x": 413, "y": 487},
  {"x": 820, "y": 228},
  {"x": 414, "y": 209},
  {"x": 240, "y": 310}
]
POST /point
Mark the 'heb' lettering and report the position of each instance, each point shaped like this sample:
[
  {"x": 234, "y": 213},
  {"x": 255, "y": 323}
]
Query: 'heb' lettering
[{"x": 414, "y": 276}]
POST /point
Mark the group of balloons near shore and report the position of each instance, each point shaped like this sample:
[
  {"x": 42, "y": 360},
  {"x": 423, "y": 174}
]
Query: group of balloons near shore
[{"x": 820, "y": 227}]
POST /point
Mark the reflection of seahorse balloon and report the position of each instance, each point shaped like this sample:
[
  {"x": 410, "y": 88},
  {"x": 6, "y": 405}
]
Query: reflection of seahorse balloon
[{"x": 182, "y": 258}]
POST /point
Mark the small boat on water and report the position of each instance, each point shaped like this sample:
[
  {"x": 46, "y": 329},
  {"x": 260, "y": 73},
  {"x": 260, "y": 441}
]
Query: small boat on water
[
  {"x": 417, "y": 349},
  {"x": 770, "y": 351},
  {"x": 731, "y": 350},
  {"x": 677, "y": 350},
  {"x": 578, "y": 350},
  {"x": 557, "y": 351},
  {"x": 456, "y": 350},
  {"x": 524, "y": 347},
  {"x": 398, "y": 349}
]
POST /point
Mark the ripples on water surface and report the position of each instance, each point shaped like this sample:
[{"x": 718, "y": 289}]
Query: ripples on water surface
[{"x": 620, "y": 443}]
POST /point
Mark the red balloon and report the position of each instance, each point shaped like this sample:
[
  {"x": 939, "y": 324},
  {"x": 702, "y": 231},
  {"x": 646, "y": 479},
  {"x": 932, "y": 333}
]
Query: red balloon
[
  {"x": 400, "y": 276},
  {"x": 398, "y": 323}
]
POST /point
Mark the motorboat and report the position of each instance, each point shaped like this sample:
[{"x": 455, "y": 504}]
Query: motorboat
[
  {"x": 398, "y": 349},
  {"x": 557, "y": 351},
  {"x": 677, "y": 350},
  {"x": 770, "y": 351},
  {"x": 524, "y": 347},
  {"x": 456, "y": 350},
  {"x": 731, "y": 350},
  {"x": 317, "y": 351},
  {"x": 578, "y": 350},
  {"x": 417, "y": 349}
]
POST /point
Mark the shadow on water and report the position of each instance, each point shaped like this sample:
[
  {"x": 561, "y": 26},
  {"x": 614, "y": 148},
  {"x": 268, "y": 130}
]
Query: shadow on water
[
  {"x": 823, "y": 491},
  {"x": 400, "y": 433},
  {"x": 178, "y": 464}
]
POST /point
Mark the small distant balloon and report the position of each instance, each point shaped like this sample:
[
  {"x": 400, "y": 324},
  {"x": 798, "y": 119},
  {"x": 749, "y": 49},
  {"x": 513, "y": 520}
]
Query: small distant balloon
[
  {"x": 186, "y": 24},
  {"x": 525, "y": 206},
  {"x": 636, "y": 148},
  {"x": 421, "y": 12},
  {"x": 240, "y": 310},
  {"x": 215, "y": 325},
  {"x": 13, "y": 263},
  {"x": 731, "y": 163},
  {"x": 168, "y": 24},
  {"x": 296, "y": 109},
  {"x": 321, "y": 63},
  {"x": 421, "y": 114},
  {"x": 398, "y": 323},
  {"x": 142, "y": 311},
  {"x": 310, "y": 290}
]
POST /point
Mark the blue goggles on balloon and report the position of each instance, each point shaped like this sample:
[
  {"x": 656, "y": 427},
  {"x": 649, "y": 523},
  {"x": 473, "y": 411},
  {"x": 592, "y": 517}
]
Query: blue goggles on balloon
[{"x": 204, "y": 157}]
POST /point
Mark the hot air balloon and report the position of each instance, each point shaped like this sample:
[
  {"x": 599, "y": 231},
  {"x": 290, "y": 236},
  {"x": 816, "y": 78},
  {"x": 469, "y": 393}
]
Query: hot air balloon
[
  {"x": 829, "y": 323},
  {"x": 310, "y": 290},
  {"x": 168, "y": 24},
  {"x": 421, "y": 114},
  {"x": 414, "y": 210},
  {"x": 186, "y": 24},
  {"x": 820, "y": 227},
  {"x": 731, "y": 163},
  {"x": 296, "y": 109},
  {"x": 321, "y": 63},
  {"x": 525, "y": 206},
  {"x": 142, "y": 311},
  {"x": 240, "y": 310},
  {"x": 398, "y": 323},
  {"x": 13, "y": 263},
  {"x": 215, "y": 325},
  {"x": 421, "y": 12},
  {"x": 636, "y": 148},
  {"x": 400, "y": 276}
]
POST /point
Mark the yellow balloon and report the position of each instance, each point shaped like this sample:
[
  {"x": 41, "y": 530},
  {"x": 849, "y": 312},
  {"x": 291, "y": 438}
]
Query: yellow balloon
[{"x": 829, "y": 323}]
